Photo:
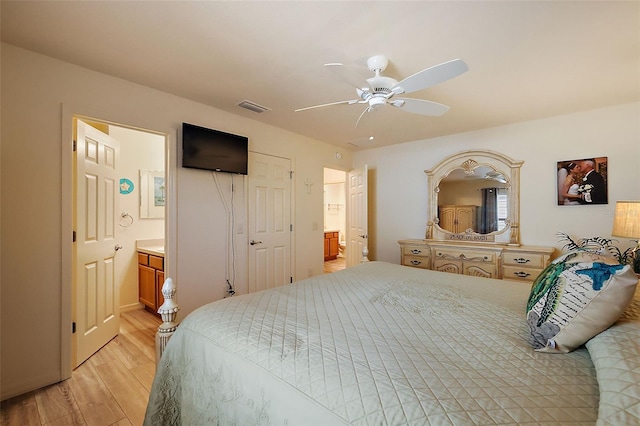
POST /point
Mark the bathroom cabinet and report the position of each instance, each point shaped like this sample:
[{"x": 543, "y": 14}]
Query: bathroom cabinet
[
  {"x": 331, "y": 245},
  {"x": 150, "y": 281}
]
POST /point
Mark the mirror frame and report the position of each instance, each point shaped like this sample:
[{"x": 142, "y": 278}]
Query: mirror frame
[
  {"x": 468, "y": 161},
  {"x": 148, "y": 209}
]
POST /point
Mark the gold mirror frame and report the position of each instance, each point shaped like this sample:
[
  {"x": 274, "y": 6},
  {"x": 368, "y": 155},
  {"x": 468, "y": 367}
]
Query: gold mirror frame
[{"x": 468, "y": 161}]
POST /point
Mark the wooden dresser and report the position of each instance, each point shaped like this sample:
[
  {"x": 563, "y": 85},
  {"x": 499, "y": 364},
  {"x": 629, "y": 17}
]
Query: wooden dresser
[{"x": 517, "y": 263}]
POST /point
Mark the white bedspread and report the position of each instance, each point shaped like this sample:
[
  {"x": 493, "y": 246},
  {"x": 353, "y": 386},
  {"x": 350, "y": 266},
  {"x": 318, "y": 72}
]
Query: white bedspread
[{"x": 374, "y": 344}]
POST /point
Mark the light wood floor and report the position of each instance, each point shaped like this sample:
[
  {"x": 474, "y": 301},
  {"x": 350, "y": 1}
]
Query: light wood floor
[
  {"x": 110, "y": 388},
  {"x": 335, "y": 265}
]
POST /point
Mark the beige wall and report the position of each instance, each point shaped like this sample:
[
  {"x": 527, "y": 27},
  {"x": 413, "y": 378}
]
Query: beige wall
[
  {"x": 38, "y": 96},
  {"x": 613, "y": 132}
]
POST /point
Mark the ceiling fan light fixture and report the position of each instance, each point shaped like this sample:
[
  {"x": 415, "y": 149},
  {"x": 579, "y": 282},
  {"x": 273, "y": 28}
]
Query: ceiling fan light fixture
[{"x": 376, "y": 101}]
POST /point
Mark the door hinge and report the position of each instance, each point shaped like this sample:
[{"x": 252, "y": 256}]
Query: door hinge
[
  {"x": 75, "y": 146},
  {"x": 74, "y": 236},
  {"x": 73, "y": 327},
  {"x": 291, "y": 174},
  {"x": 291, "y": 227},
  {"x": 290, "y": 280}
]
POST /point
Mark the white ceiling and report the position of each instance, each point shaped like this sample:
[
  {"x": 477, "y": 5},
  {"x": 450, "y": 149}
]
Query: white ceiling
[{"x": 527, "y": 59}]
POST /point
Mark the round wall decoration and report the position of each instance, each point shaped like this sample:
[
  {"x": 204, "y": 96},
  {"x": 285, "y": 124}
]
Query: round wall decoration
[{"x": 126, "y": 186}]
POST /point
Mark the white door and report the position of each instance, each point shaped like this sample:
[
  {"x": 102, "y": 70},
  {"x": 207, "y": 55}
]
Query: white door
[
  {"x": 96, "y": 301},
  {"x": 269, "y": 221},
  {"x": 357, "y": 227}
]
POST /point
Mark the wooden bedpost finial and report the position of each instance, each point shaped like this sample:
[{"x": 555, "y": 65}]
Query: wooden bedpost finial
[{"x": 168, "y": 311}]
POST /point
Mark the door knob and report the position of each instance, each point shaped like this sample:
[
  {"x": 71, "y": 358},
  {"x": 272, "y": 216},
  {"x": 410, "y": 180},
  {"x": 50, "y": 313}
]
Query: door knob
[
  {"x": 253, "y": 242},
  {"x": 118, "y": 247}
]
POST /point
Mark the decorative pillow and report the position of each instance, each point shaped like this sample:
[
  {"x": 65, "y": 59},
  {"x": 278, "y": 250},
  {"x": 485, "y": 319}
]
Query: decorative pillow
[{"x": 576, "y": 297}]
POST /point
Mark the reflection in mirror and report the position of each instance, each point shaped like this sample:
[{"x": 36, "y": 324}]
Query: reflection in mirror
[
  {"x": 474, "y": 196},
  {"x": 476, "y": 201},
  {"x": 152, "y": 194}
]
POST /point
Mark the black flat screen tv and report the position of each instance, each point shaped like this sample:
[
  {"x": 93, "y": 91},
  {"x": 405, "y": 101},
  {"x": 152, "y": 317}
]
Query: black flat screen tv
[{"x": 209, "y": 149}]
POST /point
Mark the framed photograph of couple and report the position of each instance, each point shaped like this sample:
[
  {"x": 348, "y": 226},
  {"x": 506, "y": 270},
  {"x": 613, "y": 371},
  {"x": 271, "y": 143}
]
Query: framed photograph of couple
[{"x": 582, "y": 181}]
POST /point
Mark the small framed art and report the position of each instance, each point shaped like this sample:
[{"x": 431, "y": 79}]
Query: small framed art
[{"x": 582, "y": 181}]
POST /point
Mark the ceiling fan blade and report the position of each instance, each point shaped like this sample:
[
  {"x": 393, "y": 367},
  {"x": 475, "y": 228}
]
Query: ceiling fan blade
[
  {"x": 419, "y": 106},
  {"x": 431, "y": 76},
  {"x": 349, "y": 102},
  {"x": 345, "y": 74}
]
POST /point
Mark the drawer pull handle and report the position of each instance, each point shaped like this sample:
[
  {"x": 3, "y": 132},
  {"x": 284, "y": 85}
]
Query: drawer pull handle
[
  {"x": 415, "y": 262},
  {"x": 522, "y": 260},
  {"x": 416, "y": 251},
  {"x": 521, "y": 274}
]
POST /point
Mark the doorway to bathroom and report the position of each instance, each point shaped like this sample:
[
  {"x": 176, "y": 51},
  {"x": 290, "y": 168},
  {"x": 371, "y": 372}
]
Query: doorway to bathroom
[
  {"x": 335, "y": 220},
  {"x": 119, "y": 199}
]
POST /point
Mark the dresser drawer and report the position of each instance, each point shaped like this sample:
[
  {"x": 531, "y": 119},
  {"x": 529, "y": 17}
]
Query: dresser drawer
[
  {"x": 519, "y": 273},
  {"x": 530, "y": 260},
  {"x": 467, "y": 255},
  {"x": 416, "y": 261},
  {"x": 415, "y": 251}
]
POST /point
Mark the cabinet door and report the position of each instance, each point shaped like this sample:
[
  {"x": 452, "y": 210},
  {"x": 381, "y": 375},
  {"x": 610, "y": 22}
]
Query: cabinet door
[
  {"x": 333, "y": 246},
  {"x": 159, "y": 284},
  {"x": 326, "y": 248},
  {"x": 465, "y": 218},
  {"x": 147, "y": 286},
  {"x": 448, "y": 219},
  {"x": 477, "y": 269},
  {"x": 447, "y": 265}
]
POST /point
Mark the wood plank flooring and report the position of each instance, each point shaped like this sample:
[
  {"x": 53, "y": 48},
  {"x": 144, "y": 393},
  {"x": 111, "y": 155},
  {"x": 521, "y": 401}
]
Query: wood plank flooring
[
  {"x": 110, "y": 388},
  {"x": 335, "y": 265}
]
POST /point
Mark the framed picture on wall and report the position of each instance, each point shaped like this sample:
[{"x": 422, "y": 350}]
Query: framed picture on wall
[{"x": 582, "y": 182}]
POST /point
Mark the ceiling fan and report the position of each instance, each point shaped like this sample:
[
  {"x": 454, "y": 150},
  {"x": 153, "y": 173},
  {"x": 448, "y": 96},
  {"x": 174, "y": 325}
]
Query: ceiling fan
[
  {"x": 382, "y": 90},
  {"x": 497, "y": 176}
]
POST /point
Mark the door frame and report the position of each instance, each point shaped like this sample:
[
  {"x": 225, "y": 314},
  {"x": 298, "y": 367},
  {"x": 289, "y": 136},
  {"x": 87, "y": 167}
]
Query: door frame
[{"x": 69, "y": 111}]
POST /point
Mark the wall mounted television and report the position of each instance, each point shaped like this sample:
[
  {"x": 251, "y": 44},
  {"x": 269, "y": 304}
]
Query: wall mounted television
[{"x": 209, "y": 149}]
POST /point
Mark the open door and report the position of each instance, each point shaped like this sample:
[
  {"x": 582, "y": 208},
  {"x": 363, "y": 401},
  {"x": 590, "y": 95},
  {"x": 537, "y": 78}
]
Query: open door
[
  {"x": 357, "y": 212},
  {"x": 95, "y": 298}
]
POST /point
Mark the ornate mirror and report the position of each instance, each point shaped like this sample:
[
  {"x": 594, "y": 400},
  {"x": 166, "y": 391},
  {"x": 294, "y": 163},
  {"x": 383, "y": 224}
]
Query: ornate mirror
[{"x": 475, "y": 196}]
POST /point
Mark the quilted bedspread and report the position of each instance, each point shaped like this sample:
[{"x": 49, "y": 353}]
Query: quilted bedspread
[{"x": 383, "y": 344}]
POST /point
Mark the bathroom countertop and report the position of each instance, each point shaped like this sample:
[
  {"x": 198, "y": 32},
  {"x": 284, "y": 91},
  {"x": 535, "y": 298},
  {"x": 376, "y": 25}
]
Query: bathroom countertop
[
  {"x": 154, "y": 247},
  {"x": 156, "y": 251}
]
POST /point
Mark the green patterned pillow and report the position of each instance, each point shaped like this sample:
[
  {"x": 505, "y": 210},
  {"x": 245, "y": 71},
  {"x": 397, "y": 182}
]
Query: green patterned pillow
[{"x": 577, "y": 296}]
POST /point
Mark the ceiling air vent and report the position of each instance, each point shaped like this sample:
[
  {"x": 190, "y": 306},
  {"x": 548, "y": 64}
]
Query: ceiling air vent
[{"x": 252, "y": 106}]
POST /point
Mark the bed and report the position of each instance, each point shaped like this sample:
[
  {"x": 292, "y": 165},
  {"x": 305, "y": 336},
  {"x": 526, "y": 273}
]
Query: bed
[{"x": 381, "y": 343}]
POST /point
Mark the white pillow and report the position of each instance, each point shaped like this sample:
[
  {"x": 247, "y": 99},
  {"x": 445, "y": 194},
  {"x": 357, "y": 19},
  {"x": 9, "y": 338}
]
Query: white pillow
[{"x": 577, "y": 296}]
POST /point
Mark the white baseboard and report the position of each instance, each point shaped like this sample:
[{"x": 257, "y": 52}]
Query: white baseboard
[{"x": 131, "y": 307}]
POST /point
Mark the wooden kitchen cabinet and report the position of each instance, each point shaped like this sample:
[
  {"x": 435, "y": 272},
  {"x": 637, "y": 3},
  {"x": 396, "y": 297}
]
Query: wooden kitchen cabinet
[{"x": 150, "y": 281}]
